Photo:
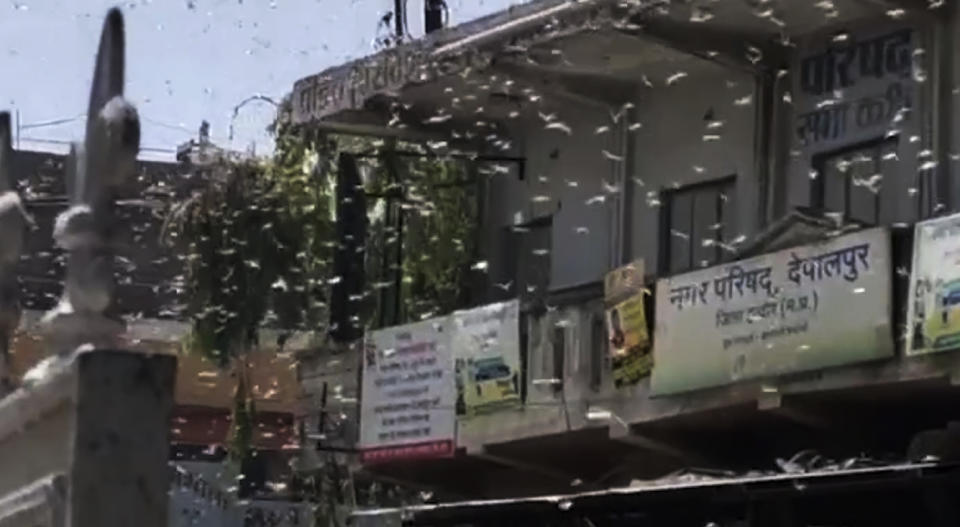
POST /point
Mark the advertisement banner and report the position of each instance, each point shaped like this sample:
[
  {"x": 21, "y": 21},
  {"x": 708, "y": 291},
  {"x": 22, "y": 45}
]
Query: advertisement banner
[
  {"x": 408, "y": 393},
  {"x": 629, "y": 340},
  {"x": 933, "y": 313},
  {"x": 486, "y": 346},
  {"x": 798, "y": 309}
]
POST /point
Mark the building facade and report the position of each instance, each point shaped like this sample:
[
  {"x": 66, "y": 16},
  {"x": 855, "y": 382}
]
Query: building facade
[{"x": 727, "y": 147}]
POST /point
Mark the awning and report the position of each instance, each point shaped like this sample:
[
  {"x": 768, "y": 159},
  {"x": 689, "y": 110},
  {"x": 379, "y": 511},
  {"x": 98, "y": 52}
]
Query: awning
[
  {"x": 466, "y": 47},
  {"x": 735, "y": 27},
  {"x": 198, "y": 425},
  {"x": 839, "y": 492}
]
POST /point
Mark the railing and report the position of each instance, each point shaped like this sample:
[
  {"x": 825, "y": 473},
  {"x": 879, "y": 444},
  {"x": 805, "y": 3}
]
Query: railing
[
  {"x": 41, "y": 504},
  {"x": 86, "y": 442}
]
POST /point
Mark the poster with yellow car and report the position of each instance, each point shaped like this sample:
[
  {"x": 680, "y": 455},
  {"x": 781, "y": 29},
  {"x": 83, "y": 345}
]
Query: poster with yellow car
[
  {"x": 933, "y": 312},
  {"x": 486, "y": 348},
  {"x": 628, "y": 336}
]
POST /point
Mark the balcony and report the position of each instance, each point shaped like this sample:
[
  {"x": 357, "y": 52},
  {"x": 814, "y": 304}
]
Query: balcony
[{"x": 575, "y": 428}]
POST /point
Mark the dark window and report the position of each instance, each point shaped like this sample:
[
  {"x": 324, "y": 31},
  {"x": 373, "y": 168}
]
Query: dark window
[
  {"x": 401, "y": 233},
  {"x": 524, "y": 261},
  {"x": 559, "y": 353},
  {"x": 524, "y": 357},
  {"x": 848, "y": 181},
  {"x": 322, "y": 421},
  {"x": 698, "y": 221},
  {"x": 598, "y": 350}
]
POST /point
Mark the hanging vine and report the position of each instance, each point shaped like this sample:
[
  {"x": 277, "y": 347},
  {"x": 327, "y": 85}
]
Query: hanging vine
[
  {"x": 259, "y": 239},
  {"x": 439, "y": 237},
  {"x": 256, "y": 238}
]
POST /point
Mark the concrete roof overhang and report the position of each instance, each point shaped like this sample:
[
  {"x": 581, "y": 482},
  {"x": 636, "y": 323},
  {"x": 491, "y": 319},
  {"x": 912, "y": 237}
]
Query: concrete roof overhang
[{"x": 590, "y": 51}]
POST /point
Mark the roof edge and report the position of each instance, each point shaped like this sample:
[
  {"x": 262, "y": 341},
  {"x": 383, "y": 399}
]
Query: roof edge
[{"x": 347, "y": 86}]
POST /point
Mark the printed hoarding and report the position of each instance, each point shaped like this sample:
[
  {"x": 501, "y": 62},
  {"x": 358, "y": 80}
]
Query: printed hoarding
[
  {"x": 628, "y": 338},
  {"x": 486, "y": 346},
  {"x": 798, "y": 309},
  {"x": 408, "y": 393},
  {"x": 934, "y": 309}
]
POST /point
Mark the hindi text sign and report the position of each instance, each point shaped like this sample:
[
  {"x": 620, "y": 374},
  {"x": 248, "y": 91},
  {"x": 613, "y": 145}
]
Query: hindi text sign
[
  {"x": 798, "y": 309},
  {"x": 408, "y": 393},
  {"x": 348, "y": 87},
  {"x": 855, "y": 88}
]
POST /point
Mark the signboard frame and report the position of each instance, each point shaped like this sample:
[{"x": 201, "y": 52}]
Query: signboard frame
[
  {"x": 486, "y": 347},
  {"x": 625, "y": 317},
  {"x": 413, "y": 365},
  {"x": 799, "y": 309},
  {"x": 934, "y": 289}
]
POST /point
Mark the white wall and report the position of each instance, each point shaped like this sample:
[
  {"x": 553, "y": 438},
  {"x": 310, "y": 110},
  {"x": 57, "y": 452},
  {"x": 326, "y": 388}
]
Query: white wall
[
  {"x": 565, "y": 171},
  {"x": 670, "y": 149}
]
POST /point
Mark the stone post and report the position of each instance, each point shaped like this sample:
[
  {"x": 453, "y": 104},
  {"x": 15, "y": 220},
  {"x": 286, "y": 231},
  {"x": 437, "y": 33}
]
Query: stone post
[
  {"x": 87, "y": 440},
  {"x": 13, "y": 223}
]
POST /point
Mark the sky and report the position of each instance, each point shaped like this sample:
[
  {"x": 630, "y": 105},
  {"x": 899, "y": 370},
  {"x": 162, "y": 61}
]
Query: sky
[{"x": 187, "y": 60}]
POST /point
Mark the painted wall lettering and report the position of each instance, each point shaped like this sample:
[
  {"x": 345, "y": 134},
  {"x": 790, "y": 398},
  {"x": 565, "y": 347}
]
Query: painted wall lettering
[
  {"x": 855, "y": 87},
  {"x": 841, "y": 67}
]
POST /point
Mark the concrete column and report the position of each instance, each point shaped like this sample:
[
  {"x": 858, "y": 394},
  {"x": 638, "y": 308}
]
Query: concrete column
[{"x": 120, "y": 442}]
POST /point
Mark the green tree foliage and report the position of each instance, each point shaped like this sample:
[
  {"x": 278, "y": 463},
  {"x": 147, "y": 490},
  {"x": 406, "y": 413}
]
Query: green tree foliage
[
  {"x": 437, "y": 200},
  {"x": 439, "y": 237},
  {"x": 259, "y": 238}
]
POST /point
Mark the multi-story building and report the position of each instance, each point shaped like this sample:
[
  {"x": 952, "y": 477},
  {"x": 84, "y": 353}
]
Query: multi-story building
[{"x": 767, "y": 162}]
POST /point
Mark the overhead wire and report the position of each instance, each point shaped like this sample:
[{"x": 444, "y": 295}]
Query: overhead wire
[{"x": 65, "y": 142}]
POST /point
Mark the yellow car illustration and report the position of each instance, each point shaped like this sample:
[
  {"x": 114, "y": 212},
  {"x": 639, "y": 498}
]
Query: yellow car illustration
[
  {"x": 942, "y": 325},
  {"x": 490, "y": 384}
]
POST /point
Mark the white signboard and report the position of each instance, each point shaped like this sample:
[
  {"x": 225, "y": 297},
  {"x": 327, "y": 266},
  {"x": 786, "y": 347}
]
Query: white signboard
[
  {"x": 407, "y": 406},
  {"x": 799, "y": 309},
  {"x": 486, "y": 345},
  {"x": 933, "y": 314}
]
